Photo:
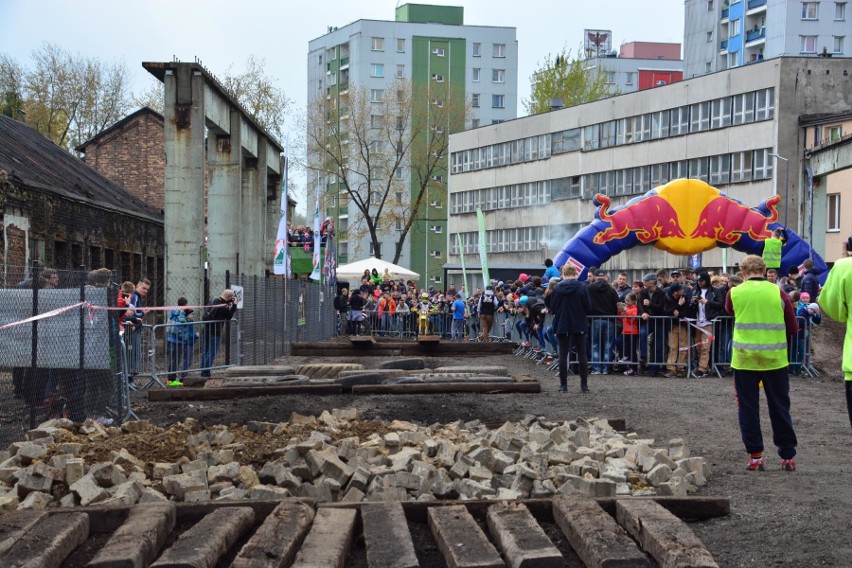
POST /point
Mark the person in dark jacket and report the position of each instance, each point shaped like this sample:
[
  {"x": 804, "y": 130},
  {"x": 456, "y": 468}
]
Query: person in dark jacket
[
  {"x": 810, "y": 282},
  {"x": 570, "y": 306},
  {"x": 604, "y": 308},
  {"x": 678, "y": 306},
  {"x": 650, "y": 306},
  {"x": 218, "y": 312},
  {"x": 341, "y": 305}
]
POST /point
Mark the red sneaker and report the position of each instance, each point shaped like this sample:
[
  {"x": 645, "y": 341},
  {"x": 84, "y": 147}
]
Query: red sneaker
[
  {"x": 756, "y": 464},
  {"x": 788, "y": 465}
]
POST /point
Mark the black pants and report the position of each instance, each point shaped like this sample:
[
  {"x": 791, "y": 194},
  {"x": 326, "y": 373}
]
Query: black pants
[
  {"x": 776, "y": 385},
  {"x": 579, "y": 341},
  {"x": 849, "y": 400}
]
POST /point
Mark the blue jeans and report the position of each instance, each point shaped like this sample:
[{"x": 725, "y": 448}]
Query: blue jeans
[
  {"x": 551, "y": 338},
  {"x": 657, "y": 359},
  {"x": 458, "y": 329},
  {"x": 601, "y": 344},
  {"x": 209, "y": 348}
]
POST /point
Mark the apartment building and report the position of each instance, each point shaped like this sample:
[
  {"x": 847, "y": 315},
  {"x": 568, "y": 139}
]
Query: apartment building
[
  {"x": 535, "y": 177},
  {"x": 723, "y": 34},
  {"x": 425, "y": 45}
]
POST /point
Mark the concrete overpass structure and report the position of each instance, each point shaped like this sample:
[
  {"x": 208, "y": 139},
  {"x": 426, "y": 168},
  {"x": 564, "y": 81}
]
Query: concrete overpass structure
[{"x": 207, "y": 131}]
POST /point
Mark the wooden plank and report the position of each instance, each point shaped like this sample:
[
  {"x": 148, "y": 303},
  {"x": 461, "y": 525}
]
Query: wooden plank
[
  {"x": 521, "y": 539},
  {"x": 594, "y": 535},
  {"x": 203, "y": 545},
  {"x": 362, "y": 340},
  {"x": 386, "y": 536},
  {"x": 460, "y": 540},
  {"x": 191, "y": 393},
  {"x": 327, "y": 544},
  {"x": 15, "y": 524},
  {"x": 259, "y": 370},
  {"x": 427, "y": 388},
  {"x": 277, "y": 540},
  {"x": 49, "y": 543},
  {"x": 139, "y": 540},
  {"x": 668, "y": 539},
  {"x": 428, "y": 339}
]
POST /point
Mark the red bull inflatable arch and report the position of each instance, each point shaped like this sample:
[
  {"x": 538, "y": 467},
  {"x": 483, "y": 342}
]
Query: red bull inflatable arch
[{"x": 684, "y": 217}]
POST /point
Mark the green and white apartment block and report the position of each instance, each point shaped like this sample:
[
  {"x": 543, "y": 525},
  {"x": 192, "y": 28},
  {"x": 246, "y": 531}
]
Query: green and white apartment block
[{"x": 424, "y": 44}]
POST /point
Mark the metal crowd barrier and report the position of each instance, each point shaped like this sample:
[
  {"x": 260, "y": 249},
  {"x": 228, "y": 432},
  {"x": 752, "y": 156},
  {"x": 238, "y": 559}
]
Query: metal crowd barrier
[{"x": 152, "y": 360}]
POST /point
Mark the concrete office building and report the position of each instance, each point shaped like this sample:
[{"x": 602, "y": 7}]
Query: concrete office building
[
  {"x": 722, "y": 34},
  {"x": 535, "y": 177},
  {"x": 423, "y": 45}
]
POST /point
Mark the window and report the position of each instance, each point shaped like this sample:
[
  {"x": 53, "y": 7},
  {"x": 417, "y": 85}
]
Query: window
[
  {"x": 764, "y": 107},
  {"x": 625, "y": 131},
  {"x": 709, "y": 37},
  {"x": 374, "y": 252},
  {"x": 319, "y": 57},
  {"x": 678, "y": 170},
  {"x": 477, "y": 49},
  {"x": 833, "y": 133},
  {"x": 734, "y": 27},
  {"x": 439, "y": 51},
  {"x": 720, "y": 113},
  {"x": 741, "y": 166},
  {"x": 591, "y": 137},
  {"x": 498, "y": 101},
  {"x": 476, "y": 71},
  {"x": 720, "y": 169},
  {"x": 832, "y": 221},
  {"x": 762, "y": 164},
  {"x": 378, "y": 44},
  {"x": 438, "y": 103},
  {"x": 498, "y": 75},
  {"x": 375, "y": 121},
  {"x": 838, "y": 44},
  {"x": 377, "y": 95},
  {"x": 565, "y": 141},
  {"x": 743, "y": 108},
  {"x": 699, "y": 117},
  {"x": 810, "y": 10},
  {"x": 709, "y": 5},
  {"x": 439, "y": 77},
  {"x": 699, "y": 169},
  {"x": 659, "y": 175},
  {"x": 808, "y": 44},
  {"x": 642, "y": 127},
  {"x": 436, "y": 229},
  {"x": 499, "y": 50},
  {"x": 839, "y": 11},
  {"x": 400, "y": 95},
  {"x": 474, "y": 100},
  {"x": 733, "y": 59},
  {"x": 607, "y": 136},
  {"x": 377, "y": 70},
  {"x": 400, "y": 123},
  {"x": 629, "y": 80},
  {"x": 400, "y": 45},
  {"x": 400, "y": 71},
  {"x": 660, "y": 125},
  {"x": 474, "y": 123},
  {"x": 680, "y": 121},
  {"x": 708, "y": 67}
]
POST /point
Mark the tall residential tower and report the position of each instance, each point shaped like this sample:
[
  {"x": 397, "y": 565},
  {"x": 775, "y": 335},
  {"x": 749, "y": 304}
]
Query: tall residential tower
[{"x": 430, "y": 49}]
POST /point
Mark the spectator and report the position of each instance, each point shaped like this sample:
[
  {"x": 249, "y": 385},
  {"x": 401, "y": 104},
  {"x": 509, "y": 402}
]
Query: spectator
[
  {"x": 837, "y": 304},
  {"x": 772, "y": 275},
  {"x": 652, "y": 325},
  {"x": 794, "y": 279},
  {"x": 772, "y": 250},
  {"x": 550, "y": 270},
  {"x": 134, "y": 315},
  {"x": 603, "y": 309},
  {"x": 715, "y": 308},
  {"x": 807, "y": 315},
  {"x": 570, "y": 306},
  {"x": 760, "y": 355},
  {"x": 622, "y": 288},
  {"x": 630, "y": 334},
  {"x": 487, "y": 306},
  {"x": 180, "y": 340},
  {"x": 810, "y": 282},
  {"x": 457, "y": 309},
  {"x": 218, "y": 312},
  {"x": 341, "y": 306},
  {"x": 701, "y": 298},
  {"x": 663, "y": 279},
  {"x": 678, "y": 306}
]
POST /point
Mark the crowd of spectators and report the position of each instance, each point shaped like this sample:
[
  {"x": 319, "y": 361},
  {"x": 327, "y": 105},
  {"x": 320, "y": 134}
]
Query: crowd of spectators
[
  {"x": 645, "y": 326},
  {"x": 303, "y": 236}
]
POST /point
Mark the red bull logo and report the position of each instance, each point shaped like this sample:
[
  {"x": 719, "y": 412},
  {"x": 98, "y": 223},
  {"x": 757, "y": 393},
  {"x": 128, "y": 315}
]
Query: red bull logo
[
  {"x": 726, "y": 220},
  {"x": 651, "y": 218}
]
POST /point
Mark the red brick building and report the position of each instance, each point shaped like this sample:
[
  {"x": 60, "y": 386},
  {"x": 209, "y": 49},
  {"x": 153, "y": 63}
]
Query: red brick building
[{"x": 132, "y": 153}]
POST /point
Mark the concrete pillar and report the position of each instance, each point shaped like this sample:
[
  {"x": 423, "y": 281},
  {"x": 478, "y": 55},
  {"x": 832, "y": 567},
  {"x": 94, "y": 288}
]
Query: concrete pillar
[
  {"x": 249, "y": 219},
  {"x": 256, "y": 243},
  {"x": 224, "y": 199},
  {"x": 184, "y": 184}
]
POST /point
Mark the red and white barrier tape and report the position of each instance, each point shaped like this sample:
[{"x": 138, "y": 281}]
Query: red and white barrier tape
[{"x": 45, "y": 315}]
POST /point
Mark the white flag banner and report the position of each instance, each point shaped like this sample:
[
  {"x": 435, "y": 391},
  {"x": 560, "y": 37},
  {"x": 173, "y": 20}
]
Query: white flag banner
[
  {"x": 281, "y": 264},
  {"x": 316, "y": 273}
]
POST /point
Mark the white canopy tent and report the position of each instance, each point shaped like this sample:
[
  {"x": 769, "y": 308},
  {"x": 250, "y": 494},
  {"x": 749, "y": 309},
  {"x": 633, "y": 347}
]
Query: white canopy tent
[{"x": 355, "y": 270}]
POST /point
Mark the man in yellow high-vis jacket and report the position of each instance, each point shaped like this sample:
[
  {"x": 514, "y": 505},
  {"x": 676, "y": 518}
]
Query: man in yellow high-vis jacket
[
  {"x": 772, "y": 249},
  {"x": 763, "y": 318},
  {"x": 836, "y": 301}
]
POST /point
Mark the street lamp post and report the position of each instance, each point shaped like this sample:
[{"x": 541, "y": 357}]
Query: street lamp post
[{"x": 786, "y": 184}]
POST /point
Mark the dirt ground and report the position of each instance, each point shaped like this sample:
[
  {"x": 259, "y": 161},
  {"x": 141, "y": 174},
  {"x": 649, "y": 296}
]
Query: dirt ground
[{"x": 777, "y": 519}]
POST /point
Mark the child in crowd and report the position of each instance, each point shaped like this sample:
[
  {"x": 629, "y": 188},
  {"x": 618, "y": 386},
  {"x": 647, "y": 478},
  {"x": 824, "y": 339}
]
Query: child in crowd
[
  {"x": 808, "y": 315},
  {"x": 630, "y": 333},
  {"x": 124, "y": 295},
  {"x": 179, "y": 343}
]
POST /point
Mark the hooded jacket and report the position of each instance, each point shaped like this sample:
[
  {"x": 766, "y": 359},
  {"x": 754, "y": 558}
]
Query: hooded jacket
[
  {"x": 570, "y": 304},
  {"x": 604, "y": 299}
]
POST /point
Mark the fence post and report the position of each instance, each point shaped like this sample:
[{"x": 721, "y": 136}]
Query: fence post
[
  {"x": 35, "y": 274},
  {"x": 227, "y": 325}
]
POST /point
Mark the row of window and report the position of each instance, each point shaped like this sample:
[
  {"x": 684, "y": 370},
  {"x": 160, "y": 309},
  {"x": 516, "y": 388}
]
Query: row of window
[
  {"x": 808, "y": 44},
  {"x": 507, "y": 240},
  {"x": 497, "y": 101},
  {"x": 810, "y": 11},
  {"x": 497, "y": 49},
  {"x": 707, "y": 115},
  {"x": 722, "y": 169}
]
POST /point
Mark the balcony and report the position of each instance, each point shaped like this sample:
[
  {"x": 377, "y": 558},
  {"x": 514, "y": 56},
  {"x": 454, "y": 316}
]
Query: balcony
[
  {"x": 752, "y": 4},
  {"x": 344, "y": 63},
  {"x": 723, "y": 45},
  {"x": 724, "y": 14},
  {"x": 756, "y": 34}
]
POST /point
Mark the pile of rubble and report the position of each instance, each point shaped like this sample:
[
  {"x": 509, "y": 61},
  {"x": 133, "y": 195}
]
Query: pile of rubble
[{"x": 533, "y": 458}]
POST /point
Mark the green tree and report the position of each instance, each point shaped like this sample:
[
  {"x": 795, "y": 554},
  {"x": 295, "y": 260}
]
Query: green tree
[{"x": 566, "y": 78}]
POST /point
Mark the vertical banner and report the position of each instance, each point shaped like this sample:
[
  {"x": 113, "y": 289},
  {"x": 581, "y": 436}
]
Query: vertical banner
[
  {"x": 316, "y": 273},
  {"x": 483, "y": 248},
  {"x": 281, "y": 264},
  {"x": 695, "y": 261},
  {"x": 330, "y": 265},
  {"x": 464, "y": 270}
]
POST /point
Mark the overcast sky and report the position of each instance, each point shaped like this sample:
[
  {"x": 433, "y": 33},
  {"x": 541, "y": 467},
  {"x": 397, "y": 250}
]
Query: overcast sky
[{"x": 223, "y": 33}]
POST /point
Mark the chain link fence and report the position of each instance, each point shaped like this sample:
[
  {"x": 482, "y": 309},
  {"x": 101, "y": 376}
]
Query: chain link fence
[{"x": 64, "y": 353}]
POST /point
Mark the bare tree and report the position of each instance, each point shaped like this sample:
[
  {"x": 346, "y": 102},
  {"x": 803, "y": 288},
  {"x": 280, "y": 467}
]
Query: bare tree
[
  {"x": 385, "y": 151},
  {"x": 257, "y": 92}
]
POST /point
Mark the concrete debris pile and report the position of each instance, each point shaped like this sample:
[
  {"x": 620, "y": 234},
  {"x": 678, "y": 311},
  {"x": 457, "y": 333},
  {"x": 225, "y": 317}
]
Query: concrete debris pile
[{"x": 335, "y": 459}]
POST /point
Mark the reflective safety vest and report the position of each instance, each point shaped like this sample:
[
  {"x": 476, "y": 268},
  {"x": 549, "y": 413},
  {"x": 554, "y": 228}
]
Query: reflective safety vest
[
  {"x": 772, "y": 252},
  {"x": 760, "y": 334}
]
